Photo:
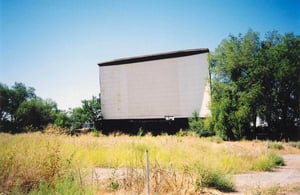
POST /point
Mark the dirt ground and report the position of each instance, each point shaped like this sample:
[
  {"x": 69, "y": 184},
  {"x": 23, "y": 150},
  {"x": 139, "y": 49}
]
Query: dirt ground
[
  {"x": 288, "y": 175},
  {"x": 248, "y": 183}
]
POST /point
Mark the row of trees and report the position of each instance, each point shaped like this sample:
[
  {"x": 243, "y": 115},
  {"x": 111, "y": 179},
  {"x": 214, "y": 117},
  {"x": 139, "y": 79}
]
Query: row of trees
[
  {"x": 22, "y": 110},
  {"x": 253, "y": 78},
  {"x": 250, "y": 78}
]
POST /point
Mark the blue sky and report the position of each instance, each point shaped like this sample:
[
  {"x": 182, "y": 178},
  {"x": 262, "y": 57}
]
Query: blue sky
[{"x": 55, "y": 45}]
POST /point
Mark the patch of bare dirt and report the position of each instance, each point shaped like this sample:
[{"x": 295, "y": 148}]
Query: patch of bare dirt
[
  {"x": 280, "y": 177},
  {"x": 286, "y": 177}
]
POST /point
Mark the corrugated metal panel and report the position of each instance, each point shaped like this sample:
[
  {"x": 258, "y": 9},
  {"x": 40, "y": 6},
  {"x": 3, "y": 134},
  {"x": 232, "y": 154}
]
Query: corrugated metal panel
[{"x": 154, "y": 89}]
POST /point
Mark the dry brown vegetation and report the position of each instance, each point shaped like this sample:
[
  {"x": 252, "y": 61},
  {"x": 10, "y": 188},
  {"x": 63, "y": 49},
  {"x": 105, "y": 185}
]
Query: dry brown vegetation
[{"x": 49, "y": 163}]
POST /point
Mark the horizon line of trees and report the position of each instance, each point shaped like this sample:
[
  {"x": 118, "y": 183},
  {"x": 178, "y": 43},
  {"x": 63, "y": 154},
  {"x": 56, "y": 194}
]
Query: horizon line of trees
[
  {"x": 21, "y": 110},
  {"x": 250, "y": 78}
]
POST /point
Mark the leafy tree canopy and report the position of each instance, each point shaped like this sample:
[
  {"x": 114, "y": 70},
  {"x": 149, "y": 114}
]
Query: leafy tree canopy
[
  {"x": 20, "y": 108},
  {"x": 88, "y": 112},
  {"x": 253, "y": 77}
]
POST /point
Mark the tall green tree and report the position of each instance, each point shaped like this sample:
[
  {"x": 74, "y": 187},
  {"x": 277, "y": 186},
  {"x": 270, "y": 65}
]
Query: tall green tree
[
  {"x": 20, "y": 108},
  {"x": 4, "y": 102},
  {"x": 88, "y": 112},
  {"x": 4, "y": 107},
  {"x": 281, "y": 81},
  {"x": 36, "y": 113},
  {"x": 11, "y": 99},
  {"x": 253, "y": 78},
  {"x": 234, "y": 89},
  {"x": 63, "y": 120},
  {"x": 92, "y": 109},
  {"x": 78, "y": 117}
]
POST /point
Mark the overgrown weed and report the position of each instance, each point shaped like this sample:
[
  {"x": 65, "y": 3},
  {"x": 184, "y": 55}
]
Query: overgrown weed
[
  {"x": 275, "y": 145},
  {"x": 295, "y": 144},
  {"x": 29, "y": 161},
  {"x": 69, "y": 184},
  {"x": 216, "y": 139},
  {"x": 214, "y": 179},
  {"x": 267, "y": 162}
]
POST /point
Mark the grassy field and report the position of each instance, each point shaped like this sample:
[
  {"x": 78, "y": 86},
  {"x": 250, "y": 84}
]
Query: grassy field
[{"x": 40, "y": 163}]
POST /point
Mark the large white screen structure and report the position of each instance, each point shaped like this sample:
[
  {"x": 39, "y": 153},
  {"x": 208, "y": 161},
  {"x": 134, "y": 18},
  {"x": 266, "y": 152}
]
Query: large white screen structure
[{"x": 169, "y": 84}]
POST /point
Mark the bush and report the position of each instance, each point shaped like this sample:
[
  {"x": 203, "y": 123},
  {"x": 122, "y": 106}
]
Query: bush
[
  {"x": 276, "y": 160},
  {"x": 295, "y": 144},
  {"x": 215, "y": 179},
  {"x": 24, "y": 168},
  {"x": 62, "y": 120},
  {"x": 275, "y": 145},
  {"x": 203, "y": 127},
  {"x": 216, "y": 139},
  {"x": 180, "y": 133},
  {"x": 267, "y": 162},
  {"x": 66, "y": 185},
  {"x": 140, "y": 132},
  {"x": 96, "y": 133},
  {"x": 114, "y": 184}
]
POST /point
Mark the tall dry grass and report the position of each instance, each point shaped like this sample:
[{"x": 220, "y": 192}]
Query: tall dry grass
[{"x": 31, "y": 161}]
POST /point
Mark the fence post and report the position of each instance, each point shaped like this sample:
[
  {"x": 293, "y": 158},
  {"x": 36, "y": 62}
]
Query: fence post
[{"x": 147, "y": 173}]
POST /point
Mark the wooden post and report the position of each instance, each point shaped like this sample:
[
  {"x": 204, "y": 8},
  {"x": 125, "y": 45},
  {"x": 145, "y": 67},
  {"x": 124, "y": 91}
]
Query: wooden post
[{"x": 147, "y": 173}]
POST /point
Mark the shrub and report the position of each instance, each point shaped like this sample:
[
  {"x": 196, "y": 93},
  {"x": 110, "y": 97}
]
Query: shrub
[
  {"x": 203, "y": 127},
  {"x": 216, "y": 139},
  {"x": 66, "y": 185},
  {"x": 180, "y": 133},
  {"x": 215, "y": 179},
  {"x": 24, "y": 168},
  {"x": 114, "y": 184},
  {"x": 140, "y": 132},
  {"x": 62, "y": 120},
  {"x": 96, "y": 133},
  {"x": 267, "y": 162},
  {"x": 276, "y": 160},
  {"x": 275, "y": 145},
  {"x": 295, "y": 144}
]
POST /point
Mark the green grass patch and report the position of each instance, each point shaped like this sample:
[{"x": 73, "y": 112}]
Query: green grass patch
[
  {"x": 295, "y": 144},
  {"x": 66, "y": 185},
  {"x": 214, "y": 179},
  {"x": 267, "y": 162},
  {"x": 276, "y": 145}
]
